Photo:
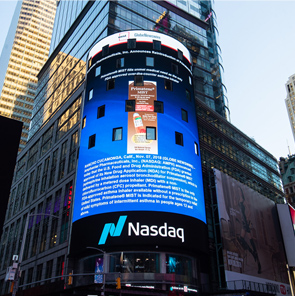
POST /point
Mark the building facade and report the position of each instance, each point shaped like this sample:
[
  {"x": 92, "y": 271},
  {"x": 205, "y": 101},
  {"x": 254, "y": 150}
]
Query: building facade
[
  {"x": 287, "y": 169},
  {"x": 25, "y": 51},
  {"x": 44, "y": 180},
  {"x": 290, "y": 102}
]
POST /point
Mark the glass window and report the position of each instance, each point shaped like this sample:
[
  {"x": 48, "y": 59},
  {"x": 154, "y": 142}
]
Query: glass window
[
  {"x": 184, "y": 115},
  {"x": 150, "y": 133},
  {"x": 174, "y": 68},
  {"x": 196, "y": 148},
  {"x": 30, "y": 275},
  {"x": 89, "y": 63},
  {"x": 131, "y": 43},
  {"x": 84, "y": 122},
  {"x": 100, "y": 111},
  {"x": 45, "y": 175},
  {"x": 90, "y": 96},
  {"x": 168, "y": 84},
  {"x": 68, "y": 119},
  {"x": 60, "y": 265},
  {"x": 188, "y": 95},
  {"x": 179, "y": 138},
  {"x": 37, "y": 181},
  {"x": 179, "y": 265},
  {"x": 156, "y": 45},
  {"x": 135, "y": 263},
  {"x": 150, "y": 61},
  {"x": 190, "y": 80},
  {"x": 39, "y": 274},
  {"x": 180, "y": 54},
  {"x": 47, "y": 140},
  {"x": 91, "y": 142},
  {"x": 72, "y": 156},
  {"x": 158, "y": 107},
  {"x": 120, "y": 63},
  {"x": 129, "y": 105},
  {"x": 138, "y": 80},
  {"x": 49, "y": 266},
  {"x": 110, "y": 84},
  {"x": 105, "y": 50},
  {"x": 117, "y": 134},
  {"x": 97, "y": 71},
  {"x": 53, "y": 168},
  {"x": 62, "y": 161}
]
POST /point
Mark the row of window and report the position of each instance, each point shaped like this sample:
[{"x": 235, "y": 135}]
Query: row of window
[
  {"x": 139, "y": 81},
  {"x": 151, "y": 133},
  {"x": 234, "y": 152},
  {"x": 289, "y": 190},
  {"x": 149, "y": 62},
  {"x": 43, "y": 232},
  {"x": 38, "y": 181},
  {"x": 230, "y": 132},
  {"x": 131, "y": 44},
  {"x": 130, "y": 107},
  {"x": 54, "y": 267},
  {"x": 65, "y": 122}
]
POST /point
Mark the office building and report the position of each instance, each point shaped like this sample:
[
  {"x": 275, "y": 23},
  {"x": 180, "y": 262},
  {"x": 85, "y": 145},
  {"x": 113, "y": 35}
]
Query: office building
[
  {"x": 290, "y": 102},
  {"x": 44, "y": 180},
  {"x": 287, "y": 169},
  {"x": 25, "y": 51}
]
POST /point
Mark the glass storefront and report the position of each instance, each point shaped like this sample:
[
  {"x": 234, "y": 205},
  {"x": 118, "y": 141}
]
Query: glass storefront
[{"x": 140, "y": 269}]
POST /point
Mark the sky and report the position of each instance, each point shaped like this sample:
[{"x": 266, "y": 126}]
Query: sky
[{"x": 257, "y": 40}]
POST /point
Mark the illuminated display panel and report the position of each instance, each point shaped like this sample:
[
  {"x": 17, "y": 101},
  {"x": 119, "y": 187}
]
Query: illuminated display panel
[{"x": 138, "y": 161}]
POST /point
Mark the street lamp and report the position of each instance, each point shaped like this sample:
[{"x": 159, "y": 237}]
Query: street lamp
[
  {"x": 20, "y": 258},
  {"x": 104, "y": 264}
]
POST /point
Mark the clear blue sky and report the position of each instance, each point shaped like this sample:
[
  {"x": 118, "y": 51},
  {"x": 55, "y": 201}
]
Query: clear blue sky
[{"x": 258, "y": 51}]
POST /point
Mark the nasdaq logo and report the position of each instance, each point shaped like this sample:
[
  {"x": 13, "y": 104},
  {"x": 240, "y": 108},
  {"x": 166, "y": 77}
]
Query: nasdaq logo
[
  {"x": 112, "y": 230},
  {"x": 138, "y": 229}
]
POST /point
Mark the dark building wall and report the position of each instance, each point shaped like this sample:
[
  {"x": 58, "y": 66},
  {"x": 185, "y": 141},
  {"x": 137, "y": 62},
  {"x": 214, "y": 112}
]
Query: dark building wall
[{"x": 10, "y": 132}]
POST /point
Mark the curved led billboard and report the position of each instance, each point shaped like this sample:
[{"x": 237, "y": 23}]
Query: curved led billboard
[{"x": 139, "y": 148}]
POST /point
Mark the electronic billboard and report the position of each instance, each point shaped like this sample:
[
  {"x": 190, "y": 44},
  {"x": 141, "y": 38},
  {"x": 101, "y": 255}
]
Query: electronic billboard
[{"x": 139, "y": 178}]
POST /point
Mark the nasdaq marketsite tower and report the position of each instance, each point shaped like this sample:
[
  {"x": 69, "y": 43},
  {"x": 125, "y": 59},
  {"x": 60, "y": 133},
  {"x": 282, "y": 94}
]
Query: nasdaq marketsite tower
[{"x": 139, "y": 190}]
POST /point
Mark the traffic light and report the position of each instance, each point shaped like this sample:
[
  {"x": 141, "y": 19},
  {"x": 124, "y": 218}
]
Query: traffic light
[{"x": 118, "y": 283}]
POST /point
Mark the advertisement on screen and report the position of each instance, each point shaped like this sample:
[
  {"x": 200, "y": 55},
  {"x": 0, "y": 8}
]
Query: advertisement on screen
[
  {"x": 142, "y": 124},
  {"x": 98, "y": 277},
  {"x": 252, "y": 246}
]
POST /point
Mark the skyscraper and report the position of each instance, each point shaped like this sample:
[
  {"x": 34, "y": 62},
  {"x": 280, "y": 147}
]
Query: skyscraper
[
  {"x": 42, "y": 192},
  {"x": 25, "y": 52},
  {"x": 290, "y": 102}
]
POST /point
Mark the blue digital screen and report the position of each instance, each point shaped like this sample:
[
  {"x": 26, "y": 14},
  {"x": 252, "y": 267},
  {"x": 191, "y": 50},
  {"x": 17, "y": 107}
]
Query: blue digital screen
[{"x": 146, "y": 167}]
